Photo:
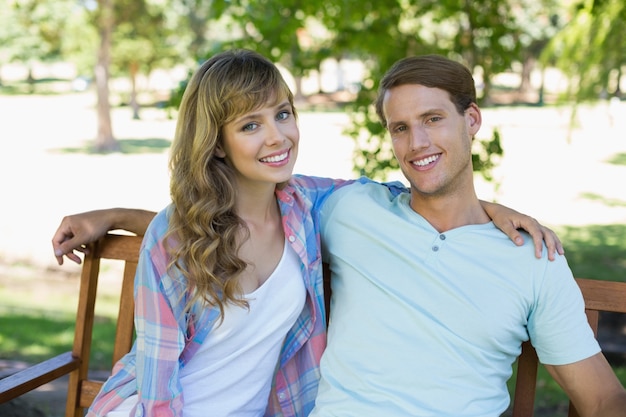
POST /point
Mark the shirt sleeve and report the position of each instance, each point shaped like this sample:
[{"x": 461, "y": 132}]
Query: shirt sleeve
[
  {"x": 160, "y": 340},
  {"x": 557, "y": 324}
]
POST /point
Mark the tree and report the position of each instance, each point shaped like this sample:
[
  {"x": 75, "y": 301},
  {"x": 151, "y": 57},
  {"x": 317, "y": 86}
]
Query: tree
[
  {"x": 591, "y": 49},
  {"x": 141, "y": 41},
  {"x": 133, "y": 35},
  {"x": 31, "y": 31},
  {"x": 105, "y": 22},
  {"x": 281, "y": 30}
]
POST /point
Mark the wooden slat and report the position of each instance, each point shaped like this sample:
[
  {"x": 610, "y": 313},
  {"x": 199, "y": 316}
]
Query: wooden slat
[
  {"x": 88, "y": 391},
  {"x": 603, "y": 295},
  {"x": 125, "y": 322},
  {"x": 37, "y": 375},
  {"x": 120, "y": 247},
  {"x": 526, "y": 382}
]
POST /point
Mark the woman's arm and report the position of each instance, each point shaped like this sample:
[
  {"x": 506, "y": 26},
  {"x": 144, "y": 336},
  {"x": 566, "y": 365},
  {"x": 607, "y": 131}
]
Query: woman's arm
[
  {"x": 78, "y": 230},
  {"x": 509, "y": 221}
]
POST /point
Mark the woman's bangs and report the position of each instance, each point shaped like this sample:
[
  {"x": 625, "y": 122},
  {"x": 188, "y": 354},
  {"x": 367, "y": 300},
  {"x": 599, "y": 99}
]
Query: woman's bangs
[{"x": 256, "y": 98}]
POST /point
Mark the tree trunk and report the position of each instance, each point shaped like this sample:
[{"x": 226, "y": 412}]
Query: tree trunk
[
  {"x": 134, "y": 103},
  {"x": 618, "y": 92},
  {"x": 105, "y": 141},
  {"x": 525, "y": 86},
  {"x": 298, "y": 96}
]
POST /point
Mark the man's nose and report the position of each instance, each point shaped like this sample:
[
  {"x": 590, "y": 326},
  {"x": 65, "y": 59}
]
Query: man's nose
[{"x": 419, "y": 138}]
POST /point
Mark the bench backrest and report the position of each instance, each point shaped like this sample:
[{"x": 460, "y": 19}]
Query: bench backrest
[{"x": 82, "y": 390}]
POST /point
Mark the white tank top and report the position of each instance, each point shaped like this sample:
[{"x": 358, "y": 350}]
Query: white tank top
[{"x": 231, "y": 373}]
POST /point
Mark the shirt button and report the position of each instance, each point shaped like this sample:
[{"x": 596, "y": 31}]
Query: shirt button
[
  {"x": 435, "y": 248},
  {"x": 292, "y": 239},
  {"x": 442, "y": 237},
  {"x": 282, "y": 396}
]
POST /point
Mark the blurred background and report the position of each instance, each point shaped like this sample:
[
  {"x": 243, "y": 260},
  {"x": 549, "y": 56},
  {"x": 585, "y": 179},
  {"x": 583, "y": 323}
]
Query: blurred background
[{"x": 89, "y": 91}]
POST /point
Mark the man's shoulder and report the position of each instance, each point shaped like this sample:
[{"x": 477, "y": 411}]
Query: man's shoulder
[{"x": 365, "y": 185}]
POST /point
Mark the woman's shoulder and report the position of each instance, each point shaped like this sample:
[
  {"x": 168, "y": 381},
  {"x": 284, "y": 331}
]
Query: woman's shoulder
[{"x": 160, "y": 223}]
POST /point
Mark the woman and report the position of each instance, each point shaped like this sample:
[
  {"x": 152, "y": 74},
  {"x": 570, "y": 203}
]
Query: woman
[{"x": 222, "y": 325}]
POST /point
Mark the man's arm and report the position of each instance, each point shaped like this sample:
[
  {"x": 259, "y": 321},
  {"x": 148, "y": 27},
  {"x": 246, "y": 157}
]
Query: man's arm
[
  {"x": 77, "y": 230},
  {"x": 592, "y": 386}
]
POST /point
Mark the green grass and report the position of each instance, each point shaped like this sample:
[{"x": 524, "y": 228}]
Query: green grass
[
  {"x": 596, "y": 251},
  {"x": 37, "y": 317}
]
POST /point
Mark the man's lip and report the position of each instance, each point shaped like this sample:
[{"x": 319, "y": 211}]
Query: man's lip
[{"x": 426, "y": 160}]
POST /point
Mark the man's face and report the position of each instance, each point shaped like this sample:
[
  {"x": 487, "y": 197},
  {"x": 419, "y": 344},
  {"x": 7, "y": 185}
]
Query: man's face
[{"x": 430, "y": 139}]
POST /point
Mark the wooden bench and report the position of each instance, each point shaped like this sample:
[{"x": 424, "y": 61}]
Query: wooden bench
[
  {"x": 599, "y": 296},
  {"x": 82, "y": 390}
]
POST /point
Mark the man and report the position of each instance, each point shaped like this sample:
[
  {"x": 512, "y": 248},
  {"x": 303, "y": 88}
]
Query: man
[{"x": 430, "y": 301}]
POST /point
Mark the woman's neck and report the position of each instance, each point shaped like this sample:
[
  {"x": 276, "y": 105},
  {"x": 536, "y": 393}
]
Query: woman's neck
[{"x": 258, "y": 206}]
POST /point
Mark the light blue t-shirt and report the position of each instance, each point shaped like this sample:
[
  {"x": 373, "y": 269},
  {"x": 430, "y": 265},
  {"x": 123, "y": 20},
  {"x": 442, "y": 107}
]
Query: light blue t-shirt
[{"x": 428, "y": 324}]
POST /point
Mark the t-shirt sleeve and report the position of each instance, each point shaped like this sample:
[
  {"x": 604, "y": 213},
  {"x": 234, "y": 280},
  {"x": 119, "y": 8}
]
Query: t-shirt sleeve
[{"x": 557, "y": 324}]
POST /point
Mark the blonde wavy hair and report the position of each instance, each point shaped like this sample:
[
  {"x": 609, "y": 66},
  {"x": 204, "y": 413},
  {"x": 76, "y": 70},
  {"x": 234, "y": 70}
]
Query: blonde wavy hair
[{"x": 202, "y": 238}]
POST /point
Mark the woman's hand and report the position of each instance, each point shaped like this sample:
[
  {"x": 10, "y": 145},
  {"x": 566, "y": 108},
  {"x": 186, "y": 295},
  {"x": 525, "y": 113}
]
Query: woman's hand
[
  {"x": 509, "y": 221},
  {"x": 78, "y": 230}
]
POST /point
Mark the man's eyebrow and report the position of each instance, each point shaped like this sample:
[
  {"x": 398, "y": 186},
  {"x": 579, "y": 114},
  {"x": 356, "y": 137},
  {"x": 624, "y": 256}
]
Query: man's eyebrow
[
  {"x": 432, "y": 111},
  {"x": 394, "y": 123},
  {"x": 424, "y": 114}
]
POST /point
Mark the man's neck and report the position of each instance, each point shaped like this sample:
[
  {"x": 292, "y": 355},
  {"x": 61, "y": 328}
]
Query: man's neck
[{"x": 450, "y": 211}]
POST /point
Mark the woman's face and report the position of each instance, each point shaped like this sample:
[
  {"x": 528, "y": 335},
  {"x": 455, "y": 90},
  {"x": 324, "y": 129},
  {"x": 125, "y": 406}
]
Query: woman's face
[{"x": 262, "y": 145}]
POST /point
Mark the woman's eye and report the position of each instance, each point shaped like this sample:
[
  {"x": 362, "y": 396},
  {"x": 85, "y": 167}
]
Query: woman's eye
[
  {"x": 249, "y": 127},
  {"x": 283, "y": 115}
]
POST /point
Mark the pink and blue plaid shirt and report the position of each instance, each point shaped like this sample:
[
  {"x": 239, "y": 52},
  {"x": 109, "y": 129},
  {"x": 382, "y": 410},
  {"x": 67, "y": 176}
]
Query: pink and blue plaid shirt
[{"x": 167, "y": 337}]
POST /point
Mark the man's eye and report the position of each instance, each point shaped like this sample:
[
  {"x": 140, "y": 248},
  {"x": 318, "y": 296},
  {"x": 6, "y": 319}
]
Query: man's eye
[{"x": 434, "y": 119}]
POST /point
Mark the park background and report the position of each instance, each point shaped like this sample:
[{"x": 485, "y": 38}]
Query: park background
[{"x": 552, "y": 101}]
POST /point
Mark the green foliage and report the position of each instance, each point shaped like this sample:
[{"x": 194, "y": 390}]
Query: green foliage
[
  {"x": 488, "y": 154},
  {"x": 591, "y": 49},
  {"x": 33, "y": 29}
]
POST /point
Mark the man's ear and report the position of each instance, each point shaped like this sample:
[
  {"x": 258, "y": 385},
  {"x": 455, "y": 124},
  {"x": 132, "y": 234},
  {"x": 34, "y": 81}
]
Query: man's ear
[{"x": 474, "y": 118}]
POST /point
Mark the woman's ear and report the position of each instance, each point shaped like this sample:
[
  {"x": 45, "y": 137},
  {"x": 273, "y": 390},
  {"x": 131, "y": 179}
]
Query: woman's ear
[{"x": 219, "y": 152}]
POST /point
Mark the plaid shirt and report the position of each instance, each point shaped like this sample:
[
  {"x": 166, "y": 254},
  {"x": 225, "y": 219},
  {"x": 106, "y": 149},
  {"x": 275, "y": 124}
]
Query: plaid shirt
[{"x": 167, "y": 337}]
